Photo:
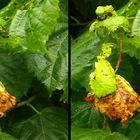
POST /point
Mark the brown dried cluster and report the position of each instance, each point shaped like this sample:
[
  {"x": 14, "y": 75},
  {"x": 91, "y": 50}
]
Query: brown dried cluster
[
  {"x": 119, "y": 105},
  {"x": 7, "y": 101}
]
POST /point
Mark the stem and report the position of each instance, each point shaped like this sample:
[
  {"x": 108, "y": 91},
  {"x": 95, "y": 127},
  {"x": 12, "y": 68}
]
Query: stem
[
  {"x": 119, "y": 57},
  {"x": 80, "y": 24},
  {"x": 76, "y": 20},
  {"x": 26, "y": 102},
  {"x": 131, "y": 17},
  {"x": 32, "y": 107}
]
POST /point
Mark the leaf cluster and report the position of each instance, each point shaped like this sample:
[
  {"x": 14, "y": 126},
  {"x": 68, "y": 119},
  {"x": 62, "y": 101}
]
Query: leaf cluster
[{"x": 33, "y": 68}]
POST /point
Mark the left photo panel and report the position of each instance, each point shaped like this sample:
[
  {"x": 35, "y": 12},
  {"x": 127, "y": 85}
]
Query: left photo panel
[{"x": 34, "y": 69}]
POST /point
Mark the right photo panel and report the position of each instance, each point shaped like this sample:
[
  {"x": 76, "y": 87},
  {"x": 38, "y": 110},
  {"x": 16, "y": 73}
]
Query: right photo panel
[{"x": 105, "y": 69}]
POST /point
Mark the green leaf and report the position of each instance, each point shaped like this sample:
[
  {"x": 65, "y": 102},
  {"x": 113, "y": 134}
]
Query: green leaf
[
  {"x": 6, "y": 136},
  {"x": 49, "y": 125},
  {"x": 131, "y": 46},
  {"x": 95, "y": 134},
  {"x": 130, "y": 8},
  {"x": 115, "y": 136},
  {"x": 52, "y": 71},
  {"x": 83, "y": 55},
  {"x": 105, "y": 10},
  {"x": 125, "y": 65},
  {"x": 132, "y": 128},
  {"x": 63, "y": 13},
  {"x": 9, "y": 11},
  {"x": 83, "y": 115},
  {"x": 14, "y": 75},
  {"x": 136, "y": 77},
  {"x": 33, "y": 26},
  {"x": 2, "y": 24},
  {"x": 136, "y": 24},
  {"x": 102, "y": 80},
  {"x": 111, "y": 23},
  {"x": 87, "y": 134}
]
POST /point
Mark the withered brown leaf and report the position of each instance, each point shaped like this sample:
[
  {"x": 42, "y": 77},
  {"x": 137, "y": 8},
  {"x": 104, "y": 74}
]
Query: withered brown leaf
[
  {"x": 7, "y": 101},
  {"x": 119, "y": 105}
]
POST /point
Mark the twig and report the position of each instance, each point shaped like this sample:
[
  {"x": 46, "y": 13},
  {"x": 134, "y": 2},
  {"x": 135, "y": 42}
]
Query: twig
[
  {"x": 131, "y": 17},
  {"x": 26, "y": 102},
  {"x": 33, "y": 108},
  {"x": 119, "y": 57},
  {"x": 80, "y": 24},
  {"x": 76, "y": 20}
]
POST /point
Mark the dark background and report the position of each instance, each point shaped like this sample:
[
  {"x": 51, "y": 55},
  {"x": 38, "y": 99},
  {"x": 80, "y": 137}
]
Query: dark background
[
  {"x": 84, "y": 12},
  {"x": 3, "y": 3}
]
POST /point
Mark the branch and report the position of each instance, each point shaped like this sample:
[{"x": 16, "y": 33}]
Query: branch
[
  {"x": 33, "y": 108},
  {"x": 26, "y": 102},
  {"x": 119, "y": 57}
]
